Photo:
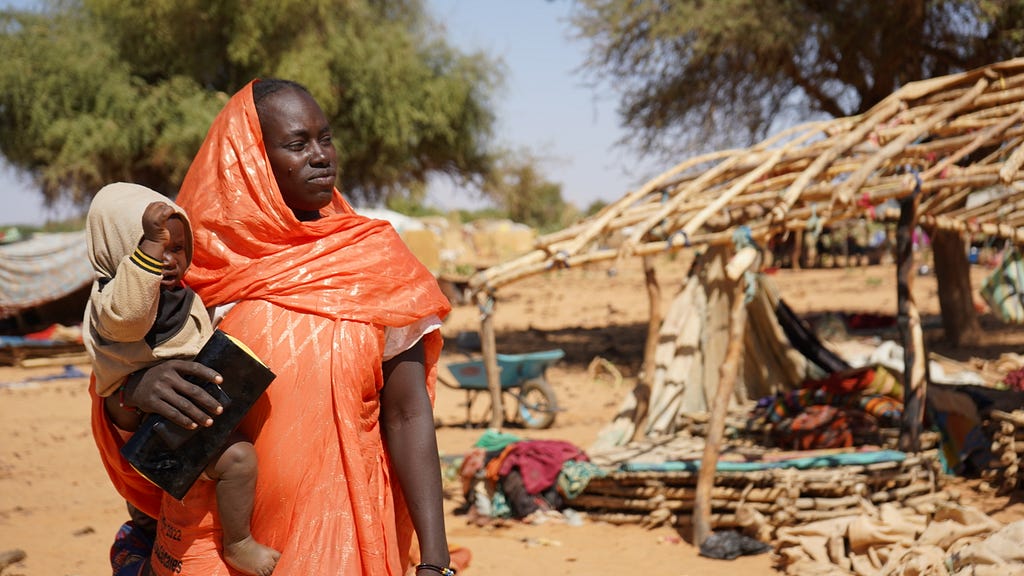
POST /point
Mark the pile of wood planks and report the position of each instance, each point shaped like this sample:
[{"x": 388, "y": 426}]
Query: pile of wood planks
[
  {"x": 772, "y": 497},
  {"x": 1006, "y": 429}
]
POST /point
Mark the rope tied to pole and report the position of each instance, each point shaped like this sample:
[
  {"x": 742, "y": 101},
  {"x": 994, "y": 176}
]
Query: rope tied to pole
[
  {"x": 560, "y": 259},
  {"x": 743, "y": 238},
  {"x": 671, "y": 239},
  {"x": 486, "y": 307}
]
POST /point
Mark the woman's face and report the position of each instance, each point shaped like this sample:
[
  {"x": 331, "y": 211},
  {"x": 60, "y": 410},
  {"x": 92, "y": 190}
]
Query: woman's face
[{"x": 298, "y": 142}]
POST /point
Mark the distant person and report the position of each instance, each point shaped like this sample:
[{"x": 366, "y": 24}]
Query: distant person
[{"x": 140, "y": 314}]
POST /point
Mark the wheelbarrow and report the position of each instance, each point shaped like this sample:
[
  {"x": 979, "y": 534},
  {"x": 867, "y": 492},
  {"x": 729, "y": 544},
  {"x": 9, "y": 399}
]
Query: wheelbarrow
[{"x": 523, "y": 382}]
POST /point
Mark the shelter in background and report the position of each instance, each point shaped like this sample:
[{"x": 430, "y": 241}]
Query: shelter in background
[
  {"x": 44, "y": 284},
  {"x": 924, "y": 149},
  {"x": 39, "y": 272},
  {"x": 448, "y": 247}
]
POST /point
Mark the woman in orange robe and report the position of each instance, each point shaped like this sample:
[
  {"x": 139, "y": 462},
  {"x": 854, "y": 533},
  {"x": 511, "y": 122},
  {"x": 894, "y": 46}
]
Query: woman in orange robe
[{"x": 336, "y": 305}]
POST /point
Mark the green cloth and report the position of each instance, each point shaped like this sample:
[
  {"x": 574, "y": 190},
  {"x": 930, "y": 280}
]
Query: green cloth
[
  {"x": 493, "y": 440},
  {"x": 828, "y": 461},
  {"x": 575, "y": 475}
]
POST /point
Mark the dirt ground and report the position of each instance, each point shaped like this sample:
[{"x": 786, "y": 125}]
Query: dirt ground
[{"x": 57, "y": 505}]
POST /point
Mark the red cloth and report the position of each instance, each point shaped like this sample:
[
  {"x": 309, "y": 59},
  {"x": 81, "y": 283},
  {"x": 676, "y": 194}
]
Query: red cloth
[
  {"x": 843, "y": 383},
  {"x": 819, "y": 427},
  {"x": 540, "y": 461}
]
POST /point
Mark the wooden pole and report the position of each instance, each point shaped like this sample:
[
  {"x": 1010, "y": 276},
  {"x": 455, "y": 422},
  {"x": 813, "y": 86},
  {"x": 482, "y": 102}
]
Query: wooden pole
[
  {"x": 490, "y": 353},
  {"x": 716, "y": 426},
  {"x": 798, "y": 249},
  {"x": 642, "y": 392},
  {"x": 908, "y": 319}
]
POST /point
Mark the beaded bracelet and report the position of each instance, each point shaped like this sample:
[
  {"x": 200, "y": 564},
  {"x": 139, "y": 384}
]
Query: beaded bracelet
[
  {"x": 125, "y": 406},
  {"x": 434, "y": 568}
]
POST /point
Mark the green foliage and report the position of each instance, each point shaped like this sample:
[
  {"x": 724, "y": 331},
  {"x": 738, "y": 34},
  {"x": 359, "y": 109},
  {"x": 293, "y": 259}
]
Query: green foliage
[
  {"x": 104, "y": 90},
  {"x": 719, "y": 73},
  {"x": 517, "y": 185},
  {"x": 594, "y": 207},
  {"x": 491, "y": 213},
  {"x": 411, "y": 206}
]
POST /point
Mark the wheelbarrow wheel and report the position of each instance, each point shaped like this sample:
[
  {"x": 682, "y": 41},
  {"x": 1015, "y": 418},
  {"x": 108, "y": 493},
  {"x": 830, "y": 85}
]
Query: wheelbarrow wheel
[{"x": 537, "y": 404}]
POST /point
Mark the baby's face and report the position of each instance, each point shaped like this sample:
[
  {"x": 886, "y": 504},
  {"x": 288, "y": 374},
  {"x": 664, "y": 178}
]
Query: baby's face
[{"x": 175, "y": 259}]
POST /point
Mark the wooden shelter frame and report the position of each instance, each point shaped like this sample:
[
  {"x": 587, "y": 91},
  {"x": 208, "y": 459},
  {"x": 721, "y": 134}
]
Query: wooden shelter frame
[{"x": 917, "y": 154}]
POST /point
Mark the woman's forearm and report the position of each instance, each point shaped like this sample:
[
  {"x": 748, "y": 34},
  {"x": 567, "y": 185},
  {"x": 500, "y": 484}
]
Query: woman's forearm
[{"x": 408, "y": 424}]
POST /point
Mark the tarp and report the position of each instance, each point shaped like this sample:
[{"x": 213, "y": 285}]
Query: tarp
[
  {"x": 41, "y": 269},
  {"x": 830, "y": 460}
]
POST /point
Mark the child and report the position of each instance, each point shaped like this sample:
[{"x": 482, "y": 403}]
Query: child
[{"x": 139, "y": 313}]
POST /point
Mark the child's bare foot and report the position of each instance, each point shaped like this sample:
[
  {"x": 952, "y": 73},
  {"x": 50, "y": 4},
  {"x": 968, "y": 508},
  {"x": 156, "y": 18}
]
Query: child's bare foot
[{"x": 251, "y": 557}]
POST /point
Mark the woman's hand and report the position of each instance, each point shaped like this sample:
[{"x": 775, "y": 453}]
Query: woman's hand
[{"x": 163, "y": 389}]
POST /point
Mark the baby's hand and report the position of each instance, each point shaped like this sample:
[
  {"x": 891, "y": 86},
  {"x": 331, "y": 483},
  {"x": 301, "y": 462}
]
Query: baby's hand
[{"x": 154, "y": 223}]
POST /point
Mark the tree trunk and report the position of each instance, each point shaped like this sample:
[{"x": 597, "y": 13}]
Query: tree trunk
[{"x": 953, "y": 273}]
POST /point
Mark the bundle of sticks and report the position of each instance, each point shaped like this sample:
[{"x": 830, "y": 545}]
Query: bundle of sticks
[
  {"x": 776, "y": 496},
  {"x": 1007, "y": 432}
]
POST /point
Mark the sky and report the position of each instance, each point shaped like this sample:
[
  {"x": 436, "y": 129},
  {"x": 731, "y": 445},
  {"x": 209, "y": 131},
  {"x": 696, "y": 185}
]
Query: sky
[{"x": 545, "y": 107}]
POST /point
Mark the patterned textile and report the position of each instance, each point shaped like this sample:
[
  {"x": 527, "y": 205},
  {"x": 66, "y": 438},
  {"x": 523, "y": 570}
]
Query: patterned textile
[
  {"x": 861, "y": 395},
  {"x": 863, "y": 380},
  {"x": 818, "y": 427},
  {"x": 845, "y": 382},
  {"x": 574, "y": 477},
  {"x": 881, "y": 407},
  {"x": 885, "y": 383},
  {"x": 130, "y": 549},
  {"x": 1003, "y": 289}
]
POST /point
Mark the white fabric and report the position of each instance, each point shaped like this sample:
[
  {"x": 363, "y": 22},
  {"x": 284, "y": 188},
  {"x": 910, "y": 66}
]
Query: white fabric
[{"x": 398, "y": 340}]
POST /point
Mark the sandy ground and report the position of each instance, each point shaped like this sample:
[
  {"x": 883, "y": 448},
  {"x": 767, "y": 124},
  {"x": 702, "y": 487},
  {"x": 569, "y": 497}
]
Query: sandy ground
[{"x": 57, "y": 505}]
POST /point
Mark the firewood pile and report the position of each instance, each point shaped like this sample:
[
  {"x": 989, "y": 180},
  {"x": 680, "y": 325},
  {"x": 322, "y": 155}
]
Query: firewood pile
[
  {"x": 749, "y": 498},
  {"x": 1006, "y": 429}
]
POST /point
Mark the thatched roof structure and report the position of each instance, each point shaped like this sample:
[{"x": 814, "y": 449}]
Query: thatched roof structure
[
  {"x": 949, "y": 136},
  {"x": 932, "y": 142}
]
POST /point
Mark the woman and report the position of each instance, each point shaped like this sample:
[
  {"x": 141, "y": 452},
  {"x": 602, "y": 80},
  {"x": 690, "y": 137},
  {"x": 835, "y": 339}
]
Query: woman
[{"x": 346, "y": 317}]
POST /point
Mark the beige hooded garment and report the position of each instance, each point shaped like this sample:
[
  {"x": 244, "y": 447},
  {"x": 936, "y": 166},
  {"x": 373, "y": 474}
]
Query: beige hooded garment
[{"x": 128, "y": 325}]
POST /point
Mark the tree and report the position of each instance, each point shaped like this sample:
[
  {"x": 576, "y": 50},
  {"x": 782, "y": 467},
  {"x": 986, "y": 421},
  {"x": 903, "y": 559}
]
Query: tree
[
  {"x": 699, "y": 74},
  {"x": 104, "y": 90},
  {"x": 517, "y": 185}
]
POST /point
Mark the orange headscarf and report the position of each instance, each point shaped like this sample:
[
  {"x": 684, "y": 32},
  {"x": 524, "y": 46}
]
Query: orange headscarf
[{"x": 249, "y": 245}]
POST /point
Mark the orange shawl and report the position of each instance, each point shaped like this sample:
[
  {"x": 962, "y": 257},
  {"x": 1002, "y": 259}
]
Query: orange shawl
[
  {"x": 251, "y": 247},
  {"x": 314, "y": 299}
]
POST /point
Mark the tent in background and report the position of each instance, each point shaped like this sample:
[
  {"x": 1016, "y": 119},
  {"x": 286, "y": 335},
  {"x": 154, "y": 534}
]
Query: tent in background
[{"x": 44, "y": 279}]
